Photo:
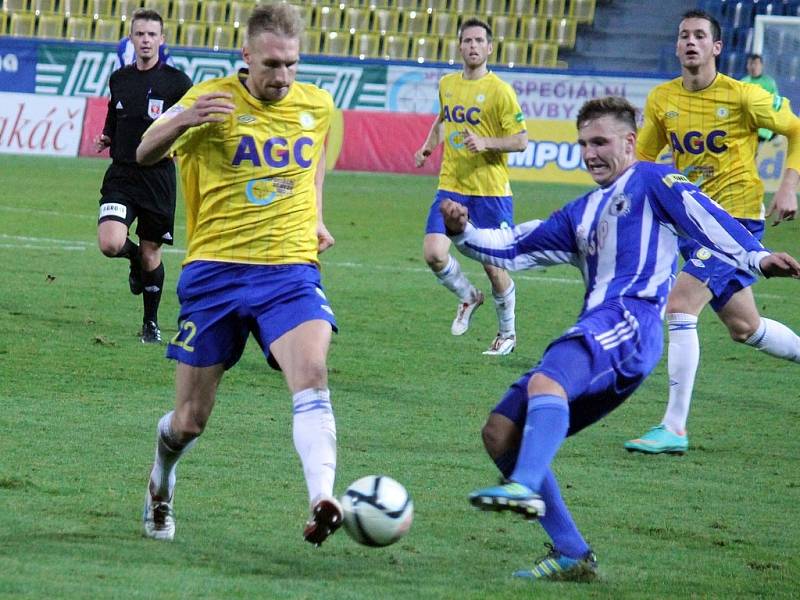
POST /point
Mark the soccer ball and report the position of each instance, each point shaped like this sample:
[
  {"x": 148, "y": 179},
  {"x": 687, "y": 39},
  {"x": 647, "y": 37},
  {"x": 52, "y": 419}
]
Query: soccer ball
[{"x": 377, "y": 510}]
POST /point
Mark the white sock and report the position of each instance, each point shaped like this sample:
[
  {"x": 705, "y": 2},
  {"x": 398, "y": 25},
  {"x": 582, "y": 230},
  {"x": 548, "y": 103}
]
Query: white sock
[
  {"x": 314, "y": 433},
  {"x": 168, "y": 451},
  {"x": 504, "y": 305},
  {"x": 776, "y": 339},
  {"x": 683, "y": 356},
  {"x": 454, "y": 280}
]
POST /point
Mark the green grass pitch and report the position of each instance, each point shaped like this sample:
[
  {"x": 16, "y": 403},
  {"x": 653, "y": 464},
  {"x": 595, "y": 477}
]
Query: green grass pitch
[{"x": 80, "y": 397}]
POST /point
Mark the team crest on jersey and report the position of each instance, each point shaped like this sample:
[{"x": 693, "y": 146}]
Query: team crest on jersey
[
  {"x": 620, "y": 205},
  {"x": 703, "y": 253},
  {"x": 722, "y": 112},
  {"x": 480, "y": 98},
  {"x": 306, "y": 120},
  {"x": 155, "y": 108}
]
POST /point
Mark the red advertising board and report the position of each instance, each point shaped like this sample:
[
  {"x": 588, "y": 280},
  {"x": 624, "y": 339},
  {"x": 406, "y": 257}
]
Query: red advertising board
[{"x": 93, "y": 126}]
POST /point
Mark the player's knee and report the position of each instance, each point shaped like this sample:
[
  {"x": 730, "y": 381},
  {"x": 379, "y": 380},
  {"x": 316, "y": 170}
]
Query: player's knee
[
  {"x": 741, "y": 330},
  {"x": 109, "y": 247},
  {"x": 497, "y": 437},
  {"x": 436, "y": 261}
]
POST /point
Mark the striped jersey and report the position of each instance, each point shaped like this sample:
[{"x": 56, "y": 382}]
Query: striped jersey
[
  {"x": 623, "y": 237},
  {"x": 713, "y": 137},
  {"x": 248, "y": 181},
  {"x": 487, "y": 107}
]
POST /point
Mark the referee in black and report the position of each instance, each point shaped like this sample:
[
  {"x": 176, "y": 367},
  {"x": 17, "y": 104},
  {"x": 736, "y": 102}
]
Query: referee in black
[{"x": 140, "y": 93}]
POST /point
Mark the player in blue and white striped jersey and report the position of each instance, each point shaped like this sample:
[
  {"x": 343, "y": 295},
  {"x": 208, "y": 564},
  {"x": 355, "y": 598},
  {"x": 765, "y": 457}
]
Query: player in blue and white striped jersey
[{"x": 623, "y": 238}]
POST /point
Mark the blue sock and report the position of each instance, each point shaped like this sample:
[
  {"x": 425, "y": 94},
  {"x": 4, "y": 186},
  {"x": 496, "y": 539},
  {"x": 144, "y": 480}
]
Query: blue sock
[
  {"x": 545, "y": 428},
  {"x": 557, "y": 521}
]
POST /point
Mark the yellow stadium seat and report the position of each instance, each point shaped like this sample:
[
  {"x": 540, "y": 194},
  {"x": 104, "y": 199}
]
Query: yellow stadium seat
[
  {"x": 356, "y": 19},
  {"x": 336, "y": 43},
  {"x": 385, "y": 20},
  {"x": 79, "y": 29},
  {"x": 544, "y": 54},
  {"x": 71, "y": 8},
  {"x": 425, "y": 49},
  {"x": 13, "y": 6},
  {"x": 444, "y": 24},
  {"x": 405, "y": 5},
  {"x": 21, "y": 24},
  {"x": 582, "y": 10},
  {"x": 563, "y": 32},
  {"x": 465, "y": 8},
  {"x": 184, "y": 11},
  {"x": 222, "y": 37},
  {"x": 533, "y": 29},
  {"x": 171, "y": 32},
  {"x": 124, "y": 8},
  {"x": 43, "y": 7},
  {"x": 450, "y": 50},
  {"x": 552, "y": 9},
  {"x": 493, "y": 7},
  {"x": 100, "y": 9},
  {"x": 329, "y": 18},
  {"x": 50, "y": 26},
  {"x": 416, "y": 23},
  {"x": 522, "y": 8},
  {"x": 240, "y": 12},
  {"x": 366, "y": 45},
  {"x": 160, "y": 6},
  {"x": 514, "y": 53},
  {"x": 395, "y": 46},
  {"x": 504, "y": 26},
  {"x": 107, "y": 29},
  {"x": 213, "y": 11},
  {"x": 193, "y": 34},
  {"x": 310, "y": 41},
  {"x": 433, "y": 5}
]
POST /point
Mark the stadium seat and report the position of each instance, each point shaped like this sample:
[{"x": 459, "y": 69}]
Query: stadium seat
[
  {"x": 741, "y": 15},
  {"x": 504, "y": 26},
  {"x": 213, "y": 11},
  {"x": 124, "y": 8},
  {"x": 171, "y": 29},
  {"x": 71, "y": 8},
  {"x": 101, "y": 9},
  {"x": 533, "y": 29},
  {"x": 50, "y": 26},
  {"x": 162, "y": 7},
  {"x": 425, "y": 49},
  {"x": 240, "y": 12},
  {"x": 433, "y": 5},
  {"x": 551, "y": 9},
  {"x": 544, "y": 54},
  {"x": 444, "y": 24},
  {"x": 21, "y": 25},
  {"x": 416, "y": 23},
  {"x": 449, "y": 51},
  {"x": 366, "y": 45},
  {"x": 395, "y": 46},
  {"x": 79, "y": 29},
  {"x": 310, "y": 41},
  {"x": 514, "y": 53},
  {"x": 385, "y": 20},
  {"x": 329, "y": 18},
  {"x": 13, "y": 6},
  {"x": 336, "y": 43},
  {"x": 193, "y": 34},
  {"x": 356, "y": 19},
  {"x": 184, "y": 11},
  {"x": 43, "y": 7},
  {"x": 405, "y": 5},
  {"x": 522, "y": 8},
  {"x": 582, "y": 10},
  {"x": 107, "y": 29},
  {"x": 493, "y": 7},
  {"x": 222, "y": 37},
  {"x": 465, "y": 8},
  {"x": 563, "y": 32}
]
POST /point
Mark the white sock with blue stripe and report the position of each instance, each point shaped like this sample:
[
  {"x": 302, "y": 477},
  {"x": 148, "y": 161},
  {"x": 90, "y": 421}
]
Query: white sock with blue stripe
[
  {"x": 314, "y": 432},
  {"x": 683, "y": 357},
  {"x": 776, "y": 339},
  {"x": 454, "y": 280}
]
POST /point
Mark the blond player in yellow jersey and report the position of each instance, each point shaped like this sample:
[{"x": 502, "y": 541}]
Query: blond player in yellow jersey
[
  {"x": 479, "y": 121},
  {"x": 250, "y": 148},
  {"x": 711, "y": 124}
]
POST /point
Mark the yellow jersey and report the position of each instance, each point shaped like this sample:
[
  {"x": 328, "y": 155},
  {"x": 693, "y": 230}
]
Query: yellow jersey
[
  {"x": 487, "y": 107},
  {"x": 713, "y": 135},
  {"x": 248, "y": 182}
]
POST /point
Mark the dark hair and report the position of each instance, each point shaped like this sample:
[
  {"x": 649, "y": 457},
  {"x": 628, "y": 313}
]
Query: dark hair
[
  {"x": 146, "y": 14},
  {"x": 475, "y": 22},
  {"x": 619, "y": 108},
  {"x": 696, "y": 13},
  {"x": 754, "y": 57},
  {"x": 280, "y": 19}
]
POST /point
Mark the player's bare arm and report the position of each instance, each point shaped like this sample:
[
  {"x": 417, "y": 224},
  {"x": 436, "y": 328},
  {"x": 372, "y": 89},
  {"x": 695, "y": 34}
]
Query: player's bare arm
[
  {"x": 510, "y": 143},
  {"x": 784, "y": 202},
  {"x": 156, "y": 142},
  {"x": 780, "y": 264},
  {"x": 324, "y": 237},
  {"x": 455, "y": 216},
  {"x": 434, "y": 139}
]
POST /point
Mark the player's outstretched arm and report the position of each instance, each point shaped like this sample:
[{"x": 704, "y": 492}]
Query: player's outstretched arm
[
  {"x": 780, "y": 264},
  {"x": 433, "y": 139},
  {"x": 159, "y": 137},
  {"x": 784, "y": 202},
  {"x": 324, "y": 238}
]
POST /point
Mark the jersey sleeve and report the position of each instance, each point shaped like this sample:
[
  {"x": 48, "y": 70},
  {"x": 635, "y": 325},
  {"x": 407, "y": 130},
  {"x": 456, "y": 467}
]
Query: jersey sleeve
[
  {"x": 511, "y": 118},
  {"x": 191, "y": 136},
  {"x": 652, "y": 136},
  {"x": 774, "y": 112},
  {"x": 680, "y": 204},
  {"x": 110, "y": 125},
  {"x": 529, "y": 245}
]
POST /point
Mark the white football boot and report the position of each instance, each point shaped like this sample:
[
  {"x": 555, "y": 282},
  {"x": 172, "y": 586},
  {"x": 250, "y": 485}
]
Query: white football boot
[
  {"x": 158, "y": 518},
  {"x": 464, "y": 313},
  {"x": 502, "y": 345}
]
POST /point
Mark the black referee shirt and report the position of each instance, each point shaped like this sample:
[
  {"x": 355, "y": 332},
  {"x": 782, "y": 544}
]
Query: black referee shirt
[{"x": 137, "y": 99}]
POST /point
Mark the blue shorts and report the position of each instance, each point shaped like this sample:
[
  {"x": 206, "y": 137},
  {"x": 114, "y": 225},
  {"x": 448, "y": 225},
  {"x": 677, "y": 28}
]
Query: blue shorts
[
  {"x": 222, "y": 303},
  {"x": 600, "y": 362},
  {"x": 722, "y": 279},
  {"x": 490, "y": 212}
]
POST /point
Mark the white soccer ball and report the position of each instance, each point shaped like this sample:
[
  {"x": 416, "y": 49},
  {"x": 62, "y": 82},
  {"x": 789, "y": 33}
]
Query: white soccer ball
[{"x": 377, "y": 510}]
